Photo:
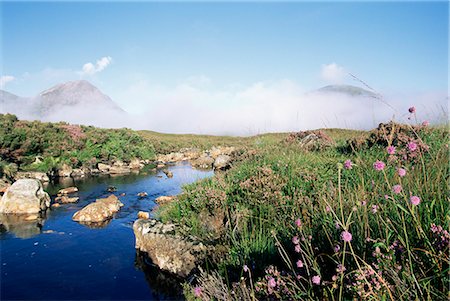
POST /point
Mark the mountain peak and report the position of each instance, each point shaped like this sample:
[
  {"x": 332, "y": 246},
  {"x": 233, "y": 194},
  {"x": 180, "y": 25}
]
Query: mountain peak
[
  {"x": 347, "y": 90},
  {"x": 82, "y": 85}
]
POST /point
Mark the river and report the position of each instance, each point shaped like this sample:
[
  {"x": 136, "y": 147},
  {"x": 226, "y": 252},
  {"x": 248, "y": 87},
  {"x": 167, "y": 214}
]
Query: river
[{"x": 60, "y": 259}]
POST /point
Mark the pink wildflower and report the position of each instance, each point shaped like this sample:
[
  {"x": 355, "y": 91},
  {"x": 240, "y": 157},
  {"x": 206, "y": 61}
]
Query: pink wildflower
[
  {"x": 412, "y": 110},
  {"x": 299, "y": 263},
  {"x": 337, "y": 248},
  {"x": 297, "y": 248},
  {"x": 197, "y": 291},
  {"x": 415, "y": 200},
  {"x": 401, "y": 172},
  {"x": 272, "y": 282},
  {"x": 298, "y": 222},
  {"x": 337, "y": 225},
  {"x": 391, "y": 150},
  {"x": 316, "y": 279},
  {"x": 295, "y": 240},
  {"x": 346, "y": 236},
  {"x": 425, "y": 123},
  {"x": 379, "y": 165},
  {"x": 374, "y": 208},
  {"x": 348, "y": 164},
  {"x": 246, "y": 268},
  {"x": 397, "y": 189},
  {"x": 412, "y": 146},
  {"x": 327, "y": 208}
]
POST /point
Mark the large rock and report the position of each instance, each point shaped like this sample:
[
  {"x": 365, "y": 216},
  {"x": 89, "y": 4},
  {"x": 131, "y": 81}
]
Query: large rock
[
  {"x": 25, "y": 196},
  {"x": 41, "y": 176},
  {"x": 222, "y": 162},
  {"x": 167, "y": 249},
  {"x": 204, "y": 161},
  {"x": 98, "y": 211},
  {"x": 65, "y": 171},
  {"x": 78, "y": 173}
]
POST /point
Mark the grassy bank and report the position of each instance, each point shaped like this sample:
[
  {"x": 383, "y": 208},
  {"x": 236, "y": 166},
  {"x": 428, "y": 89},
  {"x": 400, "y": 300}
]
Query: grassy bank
[
  {"x": 366, "y": 218},
  {"x": 54, "y": 144}
]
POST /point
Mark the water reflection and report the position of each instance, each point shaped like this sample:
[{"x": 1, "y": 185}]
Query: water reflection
[
  {"x": 162, "y": 283},
  {"x": 96, "y": 225},
  {"x": 22, "y": 225}
]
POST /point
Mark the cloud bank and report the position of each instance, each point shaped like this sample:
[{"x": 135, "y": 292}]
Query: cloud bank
[{"x": 269, "y": 106}]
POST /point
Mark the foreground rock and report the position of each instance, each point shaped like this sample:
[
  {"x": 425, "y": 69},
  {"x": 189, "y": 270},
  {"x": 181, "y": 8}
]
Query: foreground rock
[
  {"x": 168, "y": 250},
  {"x": 25, "y": 196},
  {"x": 99, "y": 211},
  {"x": 168, "y": 173},
  {"x": 41, "y": 176}
]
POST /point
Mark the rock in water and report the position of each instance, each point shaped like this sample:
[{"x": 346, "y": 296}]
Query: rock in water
[
  {"x": 68, "y": 190},
  {"x": 25, "y": 196},
  {"x": 222, "y": 162},
  {"x": 167, "y": 249},
  {"x": 168, "y": 173},
  {"x": 98, "y": 211}
]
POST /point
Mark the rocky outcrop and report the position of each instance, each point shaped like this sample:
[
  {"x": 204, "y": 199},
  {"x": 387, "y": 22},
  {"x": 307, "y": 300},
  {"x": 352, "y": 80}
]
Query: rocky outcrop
[
  {"x": 25, "y": 196},
  {"x": 204, "y": 162},
  {"x": 104, "y": 168},
  {"x": 167, "y": 249},
  {"x": 135, "y": 164},
  {"x": 41, "y": 176},
  {"x": 222, "y": 162},
  {"x": 98, "y": 211},
  {"x": 221, "y": 150}
]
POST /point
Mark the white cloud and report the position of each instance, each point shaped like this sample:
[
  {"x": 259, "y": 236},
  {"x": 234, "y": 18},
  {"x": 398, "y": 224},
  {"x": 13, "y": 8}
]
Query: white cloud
[
  {"x": 4, "y": 79},
  {"x": 333, "y": 73},
  {"x": 90, "y": 68}
]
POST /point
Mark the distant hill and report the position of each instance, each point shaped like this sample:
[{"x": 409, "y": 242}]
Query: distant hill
[
  {"x": 72, "y": 94},
  {"x": 75, "y": 101},
  {"x": 347, "y": 90}
]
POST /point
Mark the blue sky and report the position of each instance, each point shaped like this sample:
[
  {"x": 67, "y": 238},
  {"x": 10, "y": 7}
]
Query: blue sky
[{"x": 219, "y": 47}]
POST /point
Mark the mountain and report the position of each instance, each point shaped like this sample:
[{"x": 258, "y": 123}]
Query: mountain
[
  {"x": 75, "y": 102},
  {"x": 347, "y": 90},
  {"x": 74, "y": 94}
]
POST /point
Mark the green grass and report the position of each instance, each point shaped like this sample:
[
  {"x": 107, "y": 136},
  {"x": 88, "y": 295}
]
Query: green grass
[{"x": 393, "y": 254}]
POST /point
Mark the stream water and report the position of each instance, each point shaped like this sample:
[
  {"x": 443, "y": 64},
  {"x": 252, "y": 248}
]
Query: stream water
[{"x": 59, "y": 259}]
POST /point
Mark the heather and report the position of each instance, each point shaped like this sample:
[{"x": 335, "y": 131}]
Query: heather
[
  {"x": 364, "y": 217},
  {"x": 53, "y": 144}
]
